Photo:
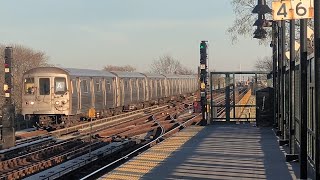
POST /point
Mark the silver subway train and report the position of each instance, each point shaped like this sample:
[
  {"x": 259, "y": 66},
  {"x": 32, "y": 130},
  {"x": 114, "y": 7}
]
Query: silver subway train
[{"x": 57, "y": 97}]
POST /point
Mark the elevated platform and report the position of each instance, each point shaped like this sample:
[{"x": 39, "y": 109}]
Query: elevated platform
[{"x": 213, "y": 152}]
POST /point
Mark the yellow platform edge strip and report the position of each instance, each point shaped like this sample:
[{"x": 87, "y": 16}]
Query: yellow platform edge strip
[{"x": 147, "y": 161}]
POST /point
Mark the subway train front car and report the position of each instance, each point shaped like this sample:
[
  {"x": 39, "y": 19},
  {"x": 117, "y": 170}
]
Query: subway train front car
[{"x": 45, "y": 96}]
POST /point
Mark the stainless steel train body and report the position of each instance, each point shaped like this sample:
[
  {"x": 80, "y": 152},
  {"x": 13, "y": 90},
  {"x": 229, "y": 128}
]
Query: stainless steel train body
[{"x": 52, "y": 95}]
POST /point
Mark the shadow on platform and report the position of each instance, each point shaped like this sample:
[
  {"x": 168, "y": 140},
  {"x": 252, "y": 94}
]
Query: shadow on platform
[{"x": 227, "y": 152}]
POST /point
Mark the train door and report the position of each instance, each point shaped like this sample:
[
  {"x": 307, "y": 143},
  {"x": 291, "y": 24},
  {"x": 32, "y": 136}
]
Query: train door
[
  {"x": 104, "y": 93},
  {"x": 155, "y": 88},
  {"x": 122, "y": 93},
  {"x": 166, "y": 88},
  {"x": 92, "y": 92},
  {"x": 181, "y": 85},
  {"x": 141, "y": 89},
  {"x": 45, "y": 92},
  {"x": 131, "y": 89},
  {"x": 160, "y": 84},
  {"x": 98, "y": 94},
  {"x": 79, "y": 93},
  {"x": 150, "y": 89},
  {"x": 117, "y": 91},
  {"x": 111, "y": 93},
  {"x": 146, "y": 89},
  {"x": 137, "y": 87},
  {"x": 86, "y": 100},
  {"x": 74, "y": 95}
]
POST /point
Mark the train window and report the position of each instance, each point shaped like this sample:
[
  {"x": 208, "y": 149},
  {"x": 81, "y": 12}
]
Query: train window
[
  {"x": 98, "y": 86},
  {"x": 44, "y": 86},
  {"x": 85, "y": 86},
  {"x": 60, "y": 86},
  {"x": 29, "y": 86}
]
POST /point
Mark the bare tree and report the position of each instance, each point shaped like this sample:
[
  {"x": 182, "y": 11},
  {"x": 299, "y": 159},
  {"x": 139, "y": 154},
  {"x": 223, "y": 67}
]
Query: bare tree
[
  {"x": 168, "y": 65},
  {"x": 126, "y": 68},
  {"x": 24, "y": 59},
  {"x": 264, "y": 64},
  {"x": 243, "y": 24},
  {"x": 186, "y": 71}
]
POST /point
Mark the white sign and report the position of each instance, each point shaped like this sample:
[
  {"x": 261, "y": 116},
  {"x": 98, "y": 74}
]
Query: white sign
[{"x": 292, "y": 9}]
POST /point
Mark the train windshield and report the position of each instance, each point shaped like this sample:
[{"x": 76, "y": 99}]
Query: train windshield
[
  {"x": 29, "y": 87},
  {"x": 60, "y": 85},
  {"x": 44, "y": 86}
]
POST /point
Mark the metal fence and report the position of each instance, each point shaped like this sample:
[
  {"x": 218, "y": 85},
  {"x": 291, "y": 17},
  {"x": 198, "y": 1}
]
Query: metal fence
[{"x": 228, "y": 101}]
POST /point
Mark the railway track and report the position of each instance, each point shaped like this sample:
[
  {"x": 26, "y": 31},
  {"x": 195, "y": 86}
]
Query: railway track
[
  {"x": 221, "y": 111},
  {"x": 150, "y": 122},
  {"x": 135, "y": 152}
]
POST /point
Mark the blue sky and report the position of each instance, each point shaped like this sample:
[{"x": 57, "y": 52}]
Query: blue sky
[{"x": 91, "y": 34}]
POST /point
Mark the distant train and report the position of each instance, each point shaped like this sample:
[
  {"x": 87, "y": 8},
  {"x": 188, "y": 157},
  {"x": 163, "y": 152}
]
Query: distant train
[{"x": 57, "y": 97}]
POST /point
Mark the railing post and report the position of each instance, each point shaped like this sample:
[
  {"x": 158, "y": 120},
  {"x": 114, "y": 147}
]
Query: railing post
[
  {"x": 274, "y": 71},
  {"x": 227, "y": 102},
  {"x": 291, "y": 85},
  {"x": 211, "y": 96},
  {"x": 303, "y": 100},
  {"x": 292, "y": 156},
  {"x": 317, "y": 84}
]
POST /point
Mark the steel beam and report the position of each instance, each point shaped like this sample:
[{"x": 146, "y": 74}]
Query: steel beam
[
  {"x": 279, "y": 77},
  {"x": 274, "y": 68},
  {"x": 317, "y": 84},
  {"x": 234, "y": 95},
  {"x": 291, "y": 86},
  {"x": 227, "y": 102},
  {"x": 211, "y": 96},
  {"x": 303, "y": 100},
  {"x": 241, "y": 72}
]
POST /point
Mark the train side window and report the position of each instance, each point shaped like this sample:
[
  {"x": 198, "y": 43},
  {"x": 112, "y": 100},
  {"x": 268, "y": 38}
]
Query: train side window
[
  {"x": 29, "y": 87},
  {"x": 44, "y": 86},
  {"x": 98, "y": 85},
  {"x": 60, "y": 85},
  {"x": 85, "y": 86}
]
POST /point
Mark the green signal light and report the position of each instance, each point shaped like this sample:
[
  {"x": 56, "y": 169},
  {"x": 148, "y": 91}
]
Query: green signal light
[{"x": 201, "y": 46}]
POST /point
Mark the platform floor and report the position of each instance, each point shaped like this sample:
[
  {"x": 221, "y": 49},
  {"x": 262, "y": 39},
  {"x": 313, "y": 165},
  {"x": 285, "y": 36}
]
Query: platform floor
[{"x": 214, "y": 152}]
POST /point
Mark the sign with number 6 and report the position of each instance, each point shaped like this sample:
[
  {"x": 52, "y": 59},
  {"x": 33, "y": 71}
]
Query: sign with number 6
[{"x": 292, "y": 9}]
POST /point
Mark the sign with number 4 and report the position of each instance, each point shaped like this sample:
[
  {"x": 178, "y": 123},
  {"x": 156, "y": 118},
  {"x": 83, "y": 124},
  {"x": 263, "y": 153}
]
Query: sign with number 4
[{"x": 292, "y": 9}]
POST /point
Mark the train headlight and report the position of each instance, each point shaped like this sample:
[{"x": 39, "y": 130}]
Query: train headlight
[
  {"x": 32, "y": 103},
  {"x": 57, "y": 102}
]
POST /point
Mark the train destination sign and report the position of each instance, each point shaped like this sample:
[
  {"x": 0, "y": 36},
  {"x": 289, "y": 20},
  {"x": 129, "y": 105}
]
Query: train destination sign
[{"x": 292, "y": 9}]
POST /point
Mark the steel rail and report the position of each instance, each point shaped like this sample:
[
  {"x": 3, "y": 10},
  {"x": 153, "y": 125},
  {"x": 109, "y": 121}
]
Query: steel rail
[{"x": 135, "y": 151}]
